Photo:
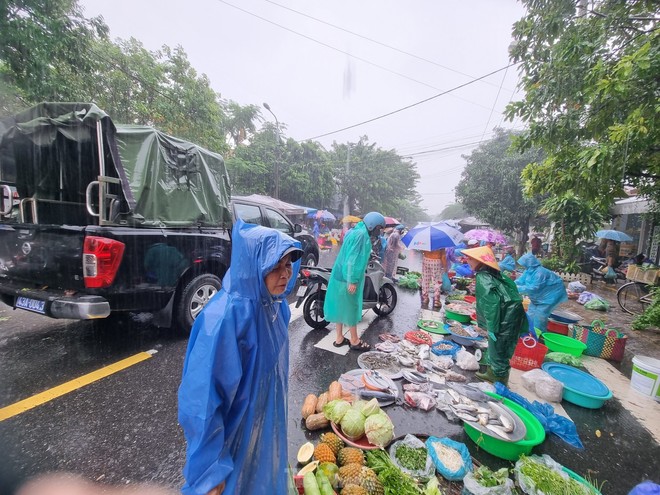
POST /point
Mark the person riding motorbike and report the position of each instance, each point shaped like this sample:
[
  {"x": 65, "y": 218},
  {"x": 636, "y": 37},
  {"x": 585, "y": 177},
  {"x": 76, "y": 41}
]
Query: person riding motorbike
[{"x": 343, "y": 300}]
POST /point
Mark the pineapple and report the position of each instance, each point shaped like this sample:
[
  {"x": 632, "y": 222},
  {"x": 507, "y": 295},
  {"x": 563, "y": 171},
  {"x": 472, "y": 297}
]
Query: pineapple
[
  {"x": 352, "y": 489},
  {"x": 350, "y": 455},
  {"x": 350, "y": 474},
  {"x": 333, "y": 441},
  {"x": 323, "y": 453},
  {"x": 370, "y": 482},
  {"x": 357, "y": 474}
]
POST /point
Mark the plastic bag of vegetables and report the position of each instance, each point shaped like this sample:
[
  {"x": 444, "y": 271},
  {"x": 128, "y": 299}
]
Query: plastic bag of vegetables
[
  {"x": 411, "y": 456},
  {"x": 543, "y": 475},
  {"x": 483, "y": 481},
  {"x": 452, "y": 459}
]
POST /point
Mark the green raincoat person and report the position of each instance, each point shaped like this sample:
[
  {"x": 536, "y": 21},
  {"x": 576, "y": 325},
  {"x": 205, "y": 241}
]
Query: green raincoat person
[
  {"x": 343, "y": 299},
  {"x": 499, "y": 311}
]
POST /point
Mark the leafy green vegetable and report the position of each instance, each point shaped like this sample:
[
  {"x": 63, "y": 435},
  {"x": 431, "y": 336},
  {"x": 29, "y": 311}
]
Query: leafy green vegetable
[
  {"x": 547, "y": 480},
  {"x": 395, "y": 481},
  {"x": 411, "y": 458},
  {"x": 486, "y": 477}
]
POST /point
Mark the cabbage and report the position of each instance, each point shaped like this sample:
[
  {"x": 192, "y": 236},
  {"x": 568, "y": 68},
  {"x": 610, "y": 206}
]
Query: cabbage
[
  {"x": 335, "y": 410},
  {"x": 379, "y": 429},
  {"x": 352, "y": 424},
  {"x": 358, "y": 405},
  {"x": 371, "y": 407}
]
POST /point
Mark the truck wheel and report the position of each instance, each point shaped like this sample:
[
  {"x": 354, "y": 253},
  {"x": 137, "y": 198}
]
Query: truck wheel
[
  {"x": 195, "y": 295},
  {"x": 313, "y": 310}
]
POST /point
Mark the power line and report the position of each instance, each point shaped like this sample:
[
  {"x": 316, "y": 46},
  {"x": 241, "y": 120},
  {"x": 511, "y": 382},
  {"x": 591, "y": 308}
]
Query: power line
[
  {"x": 361, "y": 59},
  {"x": 494, "y": 103},
  {"x": 376, "y": 41},
  {"x": 413, "y": 104}
]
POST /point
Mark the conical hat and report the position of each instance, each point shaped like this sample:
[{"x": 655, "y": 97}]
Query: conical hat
[{"x": 483, "y": 254}]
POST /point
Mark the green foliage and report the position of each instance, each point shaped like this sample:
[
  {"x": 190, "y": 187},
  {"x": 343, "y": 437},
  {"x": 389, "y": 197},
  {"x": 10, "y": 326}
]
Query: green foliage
[
  {"x": 559, "y": 265},
  {"x": 575, "y": 219},
  {"x": 376, "y": 180},
  {"x": 591, "y": 97},
  {"x": 455, "y": 210},
  {"x": 50, "y": 52},
  {"x": 490, "y": 186},
  {"x": 651, "y": 317}
]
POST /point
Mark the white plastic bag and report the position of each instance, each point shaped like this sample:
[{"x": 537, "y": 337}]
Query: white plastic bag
[
  {"x": 576, "y": 286},
  {"x": 415, "y": 443},
  {"x": 443, "y": 362},
  {"x": 542, "y": 384},
  {"x": 473, "y": 487},
  {"x": 466, "y": 361}
]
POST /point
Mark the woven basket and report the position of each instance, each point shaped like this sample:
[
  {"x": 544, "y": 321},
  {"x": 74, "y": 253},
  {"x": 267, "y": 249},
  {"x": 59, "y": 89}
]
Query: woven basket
[{"x": 529, "y": 354}]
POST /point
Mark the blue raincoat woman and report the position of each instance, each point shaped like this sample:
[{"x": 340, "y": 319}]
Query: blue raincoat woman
[
  {"x": 544, "y": 288},
  {"x": 233, "y": 395}
]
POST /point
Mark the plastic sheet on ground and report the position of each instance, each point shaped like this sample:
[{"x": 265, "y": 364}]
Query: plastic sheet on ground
[{"x": 563, "y": 427}]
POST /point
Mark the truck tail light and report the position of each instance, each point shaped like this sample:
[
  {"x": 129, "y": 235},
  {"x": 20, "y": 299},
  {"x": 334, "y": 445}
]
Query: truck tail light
[{"x": 101, "y": 259}]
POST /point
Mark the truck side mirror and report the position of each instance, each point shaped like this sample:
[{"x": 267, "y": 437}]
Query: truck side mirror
[{"x": 297, "y": 228}]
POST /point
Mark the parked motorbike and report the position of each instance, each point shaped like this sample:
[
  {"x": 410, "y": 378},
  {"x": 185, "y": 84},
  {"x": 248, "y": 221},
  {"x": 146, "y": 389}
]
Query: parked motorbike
[
  {"x": 379, "y": 292},
  {"x": 599, "y": 268}
]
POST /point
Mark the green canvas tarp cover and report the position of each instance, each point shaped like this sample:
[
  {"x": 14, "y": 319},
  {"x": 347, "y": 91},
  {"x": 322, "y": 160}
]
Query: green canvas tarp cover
[{"x": 50, "y": 152}]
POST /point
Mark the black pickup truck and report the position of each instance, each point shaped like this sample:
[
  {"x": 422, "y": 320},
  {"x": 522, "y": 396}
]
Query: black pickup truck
[{"x": 110, "y": 219}]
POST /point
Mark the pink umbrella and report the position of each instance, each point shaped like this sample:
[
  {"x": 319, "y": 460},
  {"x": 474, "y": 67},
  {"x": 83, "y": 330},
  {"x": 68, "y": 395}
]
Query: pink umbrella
[
  {"x": 391, "y": 221},
  {"x": 486, "y": 235}
]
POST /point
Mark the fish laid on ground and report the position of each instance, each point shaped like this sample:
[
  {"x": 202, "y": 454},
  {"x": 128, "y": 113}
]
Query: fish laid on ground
[
  {"x": 405, "y": 360},
  {"x": 414, "y": 377}
]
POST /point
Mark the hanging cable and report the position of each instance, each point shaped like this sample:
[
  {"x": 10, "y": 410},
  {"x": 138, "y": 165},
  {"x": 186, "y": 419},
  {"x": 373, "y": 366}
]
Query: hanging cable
[{"x": 413, "y": 104}]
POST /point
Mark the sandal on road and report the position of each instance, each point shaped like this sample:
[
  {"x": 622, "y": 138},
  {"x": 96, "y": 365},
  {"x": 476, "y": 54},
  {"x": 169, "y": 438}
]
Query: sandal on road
[
  {"x": 342, "y": 343},
  {"x": 360, "y": 346}
]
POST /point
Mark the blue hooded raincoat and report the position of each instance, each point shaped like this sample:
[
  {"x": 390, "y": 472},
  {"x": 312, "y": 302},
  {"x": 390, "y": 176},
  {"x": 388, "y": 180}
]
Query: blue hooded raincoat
[
  {"x": 544, "y": 288},
  {"x": 233, "y": 395},
  {"x": 349, "y": 267}
]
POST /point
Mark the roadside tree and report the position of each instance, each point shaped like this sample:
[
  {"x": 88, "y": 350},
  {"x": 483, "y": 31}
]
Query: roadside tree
[
  {"x": 491, "y": 189},
  {"x": 589, "y": 71}
]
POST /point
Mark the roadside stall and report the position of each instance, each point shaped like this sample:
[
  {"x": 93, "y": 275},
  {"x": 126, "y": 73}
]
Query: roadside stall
[{"x": 354, "y": 447}]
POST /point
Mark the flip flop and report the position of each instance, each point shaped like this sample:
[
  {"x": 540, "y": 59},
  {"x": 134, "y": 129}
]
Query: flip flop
[
  {"x": 361, "y": 346},
  {"x": 343, "y": 343}
]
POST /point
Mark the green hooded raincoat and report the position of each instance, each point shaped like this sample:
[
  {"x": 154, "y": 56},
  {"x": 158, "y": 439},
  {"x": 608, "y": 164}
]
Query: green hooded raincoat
[
  {"x": 501, "y": 313},
  {"x": 339, "y": 305}
]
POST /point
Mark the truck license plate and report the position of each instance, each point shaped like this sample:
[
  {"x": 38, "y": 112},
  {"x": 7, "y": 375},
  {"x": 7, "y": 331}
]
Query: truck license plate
[
  {"x": 301, "y": 291},
  {"x": 31, "y": 304}
]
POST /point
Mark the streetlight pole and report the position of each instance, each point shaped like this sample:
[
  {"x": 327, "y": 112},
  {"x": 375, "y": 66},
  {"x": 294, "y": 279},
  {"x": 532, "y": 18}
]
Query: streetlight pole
[{"x": 277, "y": 161}]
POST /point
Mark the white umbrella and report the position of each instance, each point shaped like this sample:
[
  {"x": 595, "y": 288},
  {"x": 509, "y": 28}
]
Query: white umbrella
[{"x": 432, "y": 237}]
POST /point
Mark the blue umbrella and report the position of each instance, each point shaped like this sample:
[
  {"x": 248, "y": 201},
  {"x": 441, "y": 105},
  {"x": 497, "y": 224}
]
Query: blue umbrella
[
  {"x": 324, "y": 215},
  {"x": 615, "y": 235},
  {"x": 432, "y": 237}
]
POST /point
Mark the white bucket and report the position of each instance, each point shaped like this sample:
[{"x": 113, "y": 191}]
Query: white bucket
[{"x": 646, "y": 376}]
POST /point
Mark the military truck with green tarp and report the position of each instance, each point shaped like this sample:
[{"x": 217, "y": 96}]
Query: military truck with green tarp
[{"x": 109, "y": 218}]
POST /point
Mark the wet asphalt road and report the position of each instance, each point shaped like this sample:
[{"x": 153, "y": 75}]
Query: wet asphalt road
[{"x": 122, "y": 429}]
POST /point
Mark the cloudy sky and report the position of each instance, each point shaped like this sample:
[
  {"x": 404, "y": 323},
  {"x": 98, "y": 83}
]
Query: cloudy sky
[{"x": 325, "y": 66}]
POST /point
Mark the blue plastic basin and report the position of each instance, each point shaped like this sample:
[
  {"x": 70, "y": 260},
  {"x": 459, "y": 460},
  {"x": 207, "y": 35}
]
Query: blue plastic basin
[{"x": 580, "y": 388}]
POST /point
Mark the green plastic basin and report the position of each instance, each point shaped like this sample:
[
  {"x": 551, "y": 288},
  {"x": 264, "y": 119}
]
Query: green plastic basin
[
  {"x": 451, "y": 315},
  {"x": 510, "y": 451},
  {"x": 561, "y": 343}
]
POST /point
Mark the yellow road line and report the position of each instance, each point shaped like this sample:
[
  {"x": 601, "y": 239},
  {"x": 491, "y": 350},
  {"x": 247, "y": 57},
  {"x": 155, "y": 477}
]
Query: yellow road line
[{"x": 55, "y": 392}]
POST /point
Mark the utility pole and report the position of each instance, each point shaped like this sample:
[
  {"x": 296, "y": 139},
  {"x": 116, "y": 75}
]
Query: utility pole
[{"x": 276, "y": 195}]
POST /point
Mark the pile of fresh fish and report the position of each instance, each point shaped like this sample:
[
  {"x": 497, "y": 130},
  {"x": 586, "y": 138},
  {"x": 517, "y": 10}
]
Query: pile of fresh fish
[{"x": 487, "y": 413}]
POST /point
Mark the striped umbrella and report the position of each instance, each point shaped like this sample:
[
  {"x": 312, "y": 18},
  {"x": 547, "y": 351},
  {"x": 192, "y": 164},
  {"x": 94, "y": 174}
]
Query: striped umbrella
[{"x": 432, "y": 237}]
